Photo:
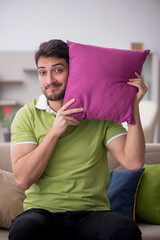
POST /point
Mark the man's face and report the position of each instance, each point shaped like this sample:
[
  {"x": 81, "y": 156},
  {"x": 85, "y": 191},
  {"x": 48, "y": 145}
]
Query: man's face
[{"x": 53, "y": 75}]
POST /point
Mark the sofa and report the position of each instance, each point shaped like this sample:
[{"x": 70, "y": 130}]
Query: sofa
[{"x": 11, "y": 197}]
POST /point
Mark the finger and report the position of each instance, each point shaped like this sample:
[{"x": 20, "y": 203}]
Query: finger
[
  {"x": 138, "y": 76},
  {"x": 136, "y": 83},
  {"x": 72, "y": 119},
  {"x": 141, "y": 86},
  {"x": 136, "y": 80},
  {"x": 72, "y": 123},
  {"x": 74, "y": 110},
  {"x": 69, "y": 103}
]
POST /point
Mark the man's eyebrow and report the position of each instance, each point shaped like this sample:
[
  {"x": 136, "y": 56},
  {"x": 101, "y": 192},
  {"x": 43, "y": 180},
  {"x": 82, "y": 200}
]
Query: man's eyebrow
[{"x": 52, "y": 65}]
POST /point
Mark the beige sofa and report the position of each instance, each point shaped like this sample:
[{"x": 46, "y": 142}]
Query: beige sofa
[{"x": 149, "y": 231}]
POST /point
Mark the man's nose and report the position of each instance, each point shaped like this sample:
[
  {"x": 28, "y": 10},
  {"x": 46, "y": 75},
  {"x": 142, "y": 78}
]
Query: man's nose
[{"x": 50, "y": 77}]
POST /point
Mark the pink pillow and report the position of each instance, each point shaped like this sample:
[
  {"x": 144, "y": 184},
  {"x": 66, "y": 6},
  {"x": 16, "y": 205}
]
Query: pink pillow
[{"x": 98, "y": 81}]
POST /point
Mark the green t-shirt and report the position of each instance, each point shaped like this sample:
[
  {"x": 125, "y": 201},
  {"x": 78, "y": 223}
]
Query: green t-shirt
[{"x": 77, "y": 176}]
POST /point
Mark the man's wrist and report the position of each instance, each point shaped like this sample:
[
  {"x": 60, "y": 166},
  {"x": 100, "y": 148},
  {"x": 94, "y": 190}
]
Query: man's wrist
[{"x": 53, "y": 134}]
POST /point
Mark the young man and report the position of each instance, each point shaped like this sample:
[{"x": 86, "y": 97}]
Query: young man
[{"x": 61, "y": 162}]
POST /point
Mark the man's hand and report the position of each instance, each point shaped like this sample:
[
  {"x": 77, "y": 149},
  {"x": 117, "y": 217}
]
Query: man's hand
[
  {"x": 139, "y": 83},
  {"x": 63, "y": 120}
]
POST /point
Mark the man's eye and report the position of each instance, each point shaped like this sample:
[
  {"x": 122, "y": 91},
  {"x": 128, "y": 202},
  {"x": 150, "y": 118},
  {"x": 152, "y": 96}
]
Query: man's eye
[
  {"x": 41, "y": 73},
  {"x": 58, "y": 70}
]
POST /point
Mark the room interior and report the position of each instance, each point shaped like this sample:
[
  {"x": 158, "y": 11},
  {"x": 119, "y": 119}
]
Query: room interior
[{"x": 125, "y": 24}]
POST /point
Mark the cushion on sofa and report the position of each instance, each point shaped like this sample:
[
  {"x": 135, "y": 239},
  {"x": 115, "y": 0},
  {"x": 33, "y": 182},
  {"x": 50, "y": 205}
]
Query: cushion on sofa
[
  {"x": 98, "y": 81},
  {"x": 122, "y": 190},
  {"x": 148, "y": 197},
  {"x": 11, "y": 199}
]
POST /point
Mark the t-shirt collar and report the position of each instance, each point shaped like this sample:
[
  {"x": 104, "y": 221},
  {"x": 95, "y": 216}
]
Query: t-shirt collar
[{"x": 43, "y": 104}]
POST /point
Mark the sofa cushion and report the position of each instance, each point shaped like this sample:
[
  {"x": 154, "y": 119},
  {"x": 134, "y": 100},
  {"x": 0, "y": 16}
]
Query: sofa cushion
[
  {"x": 149, "y": 231},
  {"x": 98, "y": 81},
  {"x": 11, "y": 199},
  {"x": 148, "y": 197},
  {"x": 4, "y": 234},
  {"x": 123, "y": 189}
]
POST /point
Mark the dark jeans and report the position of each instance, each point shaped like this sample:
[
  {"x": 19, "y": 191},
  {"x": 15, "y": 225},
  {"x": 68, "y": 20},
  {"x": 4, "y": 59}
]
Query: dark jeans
[{"x": 99, "y": 225}]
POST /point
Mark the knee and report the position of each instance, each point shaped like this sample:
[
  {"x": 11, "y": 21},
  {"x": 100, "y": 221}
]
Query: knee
[
  {"x": 126, "y": 228},
  {"x": 28, "y": 226},
  {"x": 128, "y": 232}
]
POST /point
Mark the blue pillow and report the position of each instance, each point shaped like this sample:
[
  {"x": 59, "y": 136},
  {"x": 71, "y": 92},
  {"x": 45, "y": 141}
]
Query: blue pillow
[{"x": 123, "y": 189}]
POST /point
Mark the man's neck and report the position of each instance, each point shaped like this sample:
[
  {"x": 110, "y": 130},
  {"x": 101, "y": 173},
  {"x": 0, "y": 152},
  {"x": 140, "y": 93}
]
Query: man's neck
[{"x": 55, "y": 105}]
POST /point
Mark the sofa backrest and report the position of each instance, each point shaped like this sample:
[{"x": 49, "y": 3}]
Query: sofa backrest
[{"x": 152, "y": 156}]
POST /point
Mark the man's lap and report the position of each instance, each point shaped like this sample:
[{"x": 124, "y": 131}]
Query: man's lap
[{"x": 99, "y": 225}]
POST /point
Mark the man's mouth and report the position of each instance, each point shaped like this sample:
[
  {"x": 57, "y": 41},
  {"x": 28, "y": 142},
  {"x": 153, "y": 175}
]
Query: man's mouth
[{"x": 53, "y": 86}]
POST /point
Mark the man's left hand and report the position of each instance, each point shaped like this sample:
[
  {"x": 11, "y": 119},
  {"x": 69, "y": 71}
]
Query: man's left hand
[{"x": 139, "y": 83}]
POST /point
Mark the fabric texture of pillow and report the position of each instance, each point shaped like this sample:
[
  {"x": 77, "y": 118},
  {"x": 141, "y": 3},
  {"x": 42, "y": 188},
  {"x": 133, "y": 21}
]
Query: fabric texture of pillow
[
  {"x": 148, "y": 197},
  {"x": 98, "y": 81},
  {"x": 11, "y": 199},
  {"x": 122, "y": 191}
]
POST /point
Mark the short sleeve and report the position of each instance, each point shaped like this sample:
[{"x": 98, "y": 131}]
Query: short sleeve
[
  {"x": 22, "y": 129},
  {"x": 114, "y": 130}
]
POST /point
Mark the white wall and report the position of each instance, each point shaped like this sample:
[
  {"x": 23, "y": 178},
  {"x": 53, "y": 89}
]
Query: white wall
[
  {"x": 110, "y": 23},
  {"x": 24, "y": 24}
]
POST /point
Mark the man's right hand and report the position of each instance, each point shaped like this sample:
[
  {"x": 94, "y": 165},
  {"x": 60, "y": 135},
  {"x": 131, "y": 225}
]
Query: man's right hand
[{"x": 63, "y": 120}]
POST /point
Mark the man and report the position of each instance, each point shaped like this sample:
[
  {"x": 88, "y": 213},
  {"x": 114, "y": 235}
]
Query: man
[{"x": 61, "y": 162}]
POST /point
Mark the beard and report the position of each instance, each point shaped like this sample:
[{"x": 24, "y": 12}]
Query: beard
[{"x": 54, "y": 96}]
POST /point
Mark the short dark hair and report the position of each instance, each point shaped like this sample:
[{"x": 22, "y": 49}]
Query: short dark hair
[{"x": 53, "y": 48}]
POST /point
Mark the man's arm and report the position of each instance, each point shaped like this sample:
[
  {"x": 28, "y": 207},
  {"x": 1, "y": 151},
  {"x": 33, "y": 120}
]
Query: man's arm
[
  {"x": 30, "y": 160},
  {"x": 130, "y": 150}
]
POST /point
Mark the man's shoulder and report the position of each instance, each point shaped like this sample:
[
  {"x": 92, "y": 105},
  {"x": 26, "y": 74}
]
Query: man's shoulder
[
  {"x": 26, "y": 111},
  {"x": 29, "y": 106}
]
